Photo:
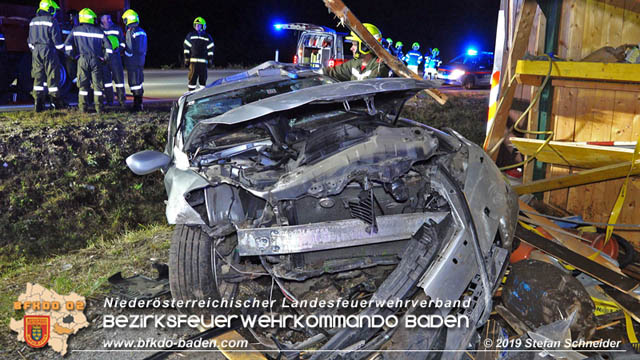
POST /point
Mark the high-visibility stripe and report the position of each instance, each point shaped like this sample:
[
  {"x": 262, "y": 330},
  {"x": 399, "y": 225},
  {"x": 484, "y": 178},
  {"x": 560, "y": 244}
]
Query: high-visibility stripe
[
  {"x": 210, "y": 46},
  {"x": 75, "y": 80},
  {"x": 199, "y": 38},
  {"x": 137, "y": 87},
  {"x": 191, "y": 87},
  {"x": 38, "y": 88},
  {"x": 112, "y": 32},
  {"x": 186, "y": 51},
  {"x": 495, "y": 77},
  {"x": 119, "y": 85},
  {"x": 139, "y": 33},
  {"x": 66, "y": 32},
  {"x": 53, "y": 89},
  {"x": 128, "y": 54},
  {"x": 198, "y": 60},
  {"x": 44, "y": 83},
  {"x": 31, "y": 46},
  {"x": 109, "y": 51},
  {"x": 89, "y": 35},
  {"x": 1, "y": 38},
  {"x": 108, "y": 85},
  {"x": 210, "y": 53},
  {"x": 97, "y": 93},
  {"x": 68, "y": 47},
  {"x": 83, "y": 93},
  {"x": 122, "y": 45},
  {"x": 186, "y": 42},
  {"x": 41, "y": 23},
  {"x": 60, "y": 47}
]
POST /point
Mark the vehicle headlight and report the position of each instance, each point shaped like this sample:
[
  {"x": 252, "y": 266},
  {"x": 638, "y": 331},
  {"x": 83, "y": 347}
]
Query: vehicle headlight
[{"x": 456, "y": 74}]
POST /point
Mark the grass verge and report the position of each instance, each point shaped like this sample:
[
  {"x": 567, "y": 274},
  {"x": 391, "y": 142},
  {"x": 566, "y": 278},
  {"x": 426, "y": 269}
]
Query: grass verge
[{"x": 83, "y": 271}]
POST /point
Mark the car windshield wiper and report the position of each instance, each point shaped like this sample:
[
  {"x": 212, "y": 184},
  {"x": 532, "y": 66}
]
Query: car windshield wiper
[{"x": 232, "y": 151}]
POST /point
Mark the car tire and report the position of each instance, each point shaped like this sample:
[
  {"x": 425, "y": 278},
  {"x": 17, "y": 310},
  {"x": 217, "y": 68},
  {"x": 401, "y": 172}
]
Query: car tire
[
  {"x": 191, "y": 275},
  {"x": 469, "y": 82}
]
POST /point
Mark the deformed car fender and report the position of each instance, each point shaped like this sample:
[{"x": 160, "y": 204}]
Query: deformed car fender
[{"x": 178, "y": 183}]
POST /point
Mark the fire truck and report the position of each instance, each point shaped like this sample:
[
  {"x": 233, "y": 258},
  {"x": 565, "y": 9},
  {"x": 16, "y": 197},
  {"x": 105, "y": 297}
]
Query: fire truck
[
  {"x": 318, "y": 46},
  {"x": 16, "y": 82}
]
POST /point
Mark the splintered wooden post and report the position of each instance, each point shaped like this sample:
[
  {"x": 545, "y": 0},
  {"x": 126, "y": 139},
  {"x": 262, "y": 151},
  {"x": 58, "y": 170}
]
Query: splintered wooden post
[{"x": 339, "y": 9}]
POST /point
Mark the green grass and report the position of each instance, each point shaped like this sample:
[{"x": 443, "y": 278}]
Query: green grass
[
  {"x": 89, "y": 271},
  {"x": 463, "y": 113}
]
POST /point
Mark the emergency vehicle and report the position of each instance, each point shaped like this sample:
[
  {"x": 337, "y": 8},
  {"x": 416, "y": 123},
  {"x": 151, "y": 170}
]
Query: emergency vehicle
[
  {"x": 318, "y": 46},
  {"x": 471, "y": 69}
]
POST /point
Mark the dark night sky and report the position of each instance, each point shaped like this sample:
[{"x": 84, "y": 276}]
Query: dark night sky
[{"x": 243, "y": 30}]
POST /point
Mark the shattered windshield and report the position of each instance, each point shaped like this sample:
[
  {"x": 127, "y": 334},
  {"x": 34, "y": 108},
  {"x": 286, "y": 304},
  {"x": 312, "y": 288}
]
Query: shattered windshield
[{"x": 215, "y": 105}]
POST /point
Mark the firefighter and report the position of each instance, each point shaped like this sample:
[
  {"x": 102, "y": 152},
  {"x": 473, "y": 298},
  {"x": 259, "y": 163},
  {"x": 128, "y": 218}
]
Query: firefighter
[
  {"x": 431, "y": 63},
  {"x": 113, "y": 71},
  {"x": 399, "y": 54},
  {"x": 4, "y": 64},
  {"x": 69, "y": 63},
  {"x": 413, "y": 58},
  {"x": 135, "y": 52},
  {"x": 44, "y": 38},
  {"x": 364, "y": 65},
  {"x": 90, "y": 46},
  {"x": 198, "y": 52}
]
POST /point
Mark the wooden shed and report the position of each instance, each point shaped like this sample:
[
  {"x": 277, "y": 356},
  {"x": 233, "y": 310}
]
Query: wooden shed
[{"x": 582, "y": 101}]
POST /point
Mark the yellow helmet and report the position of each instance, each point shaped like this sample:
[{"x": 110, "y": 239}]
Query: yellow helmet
[
  {"x": 201, "y": 21},
  {"x": 87, "y": 16},
  {"x": 363, "y": 48},
  {"x": 130, "y": 17},
  {"x": 49, "y": 6}
]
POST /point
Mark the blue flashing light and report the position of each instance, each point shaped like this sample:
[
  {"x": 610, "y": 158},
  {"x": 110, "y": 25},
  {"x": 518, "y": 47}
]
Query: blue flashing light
[
  {"x": 277, "y": 26},
  {"x": 472, "y": 52}
]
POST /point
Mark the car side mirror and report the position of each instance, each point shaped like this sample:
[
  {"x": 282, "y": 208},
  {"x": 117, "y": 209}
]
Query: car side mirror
[{"x": 147, "y": 161}]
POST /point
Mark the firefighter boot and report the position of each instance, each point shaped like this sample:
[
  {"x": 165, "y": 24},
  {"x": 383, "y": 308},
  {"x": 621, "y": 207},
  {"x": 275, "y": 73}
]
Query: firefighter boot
[
  {"x": 121, "y": 99},
  {"x": 97, "y": 101},
  {"x": 137, "y": 103},
  {"x": 39, "y": 103},
  {"x": 58, "y": 103},
  {"x": 108, "y": 94},
  {"x": 82, "y": 103}
]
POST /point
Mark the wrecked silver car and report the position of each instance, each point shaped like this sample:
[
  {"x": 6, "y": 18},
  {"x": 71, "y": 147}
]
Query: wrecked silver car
[{"x": 287, "y": 173}]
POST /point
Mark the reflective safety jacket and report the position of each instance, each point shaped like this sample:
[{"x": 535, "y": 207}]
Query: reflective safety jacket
[
  {"x": 44, "y": 31},
  {"x": 198, "y": 47},
  {"x": 413, "y": 58},
  {"x": 115, "y": 37},
  {"x": 135, "y": 46},
  {"x": 87, "y": 40},
  {"x": 353, "y": 70}
]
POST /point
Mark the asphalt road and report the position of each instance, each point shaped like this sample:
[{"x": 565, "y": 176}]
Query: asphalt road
[
  {"x": 159, "y": 85},
  {"x": 163, "y": 85}
]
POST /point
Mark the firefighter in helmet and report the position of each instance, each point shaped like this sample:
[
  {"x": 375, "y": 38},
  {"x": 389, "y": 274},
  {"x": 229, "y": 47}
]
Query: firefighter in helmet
[
  {"x": 364, "y": 65},
  {"x": 135, "y": 52},
  {"x": 399, "y": 54},
  {"x": 198, "y": 53},
  {"x": 431, "y": 63},
  {"x": 89, "y": 45},
  {"x": 44, "y": 39},
  {"x": 113, "y": 71},
  {"x": 413, "y": 58}
]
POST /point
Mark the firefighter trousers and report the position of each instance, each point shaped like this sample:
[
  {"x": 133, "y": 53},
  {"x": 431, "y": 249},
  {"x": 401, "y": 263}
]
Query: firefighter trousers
[
  {"x": 45, "y": 69},
  {"x": 197, "y": 73},
  {"x": 135, "y": 77},
  {"x": 90, "y": 75},
  {"x": 114, "y": 78}
]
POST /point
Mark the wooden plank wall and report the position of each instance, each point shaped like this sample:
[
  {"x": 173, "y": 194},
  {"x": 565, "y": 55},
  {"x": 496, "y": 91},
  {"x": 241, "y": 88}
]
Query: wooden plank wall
[{"x": 594, "y": 111}]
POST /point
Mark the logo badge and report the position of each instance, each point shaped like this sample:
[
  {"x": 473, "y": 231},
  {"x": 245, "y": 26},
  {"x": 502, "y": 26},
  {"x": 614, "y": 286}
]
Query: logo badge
[{"x": 36, "y": 330}]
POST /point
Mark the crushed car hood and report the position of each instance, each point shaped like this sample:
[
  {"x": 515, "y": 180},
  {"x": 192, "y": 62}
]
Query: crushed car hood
[{"x": 339, "y": 92}]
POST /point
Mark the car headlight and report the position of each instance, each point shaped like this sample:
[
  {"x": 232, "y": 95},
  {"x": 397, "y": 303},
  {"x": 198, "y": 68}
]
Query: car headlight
[{"x": 456, "y": 74}]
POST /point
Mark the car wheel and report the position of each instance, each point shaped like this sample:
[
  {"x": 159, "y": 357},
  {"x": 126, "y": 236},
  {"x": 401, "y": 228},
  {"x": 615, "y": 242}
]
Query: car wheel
[
  {"x": 469, "y": 82},
  {"x": 191, "y": 274}
]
